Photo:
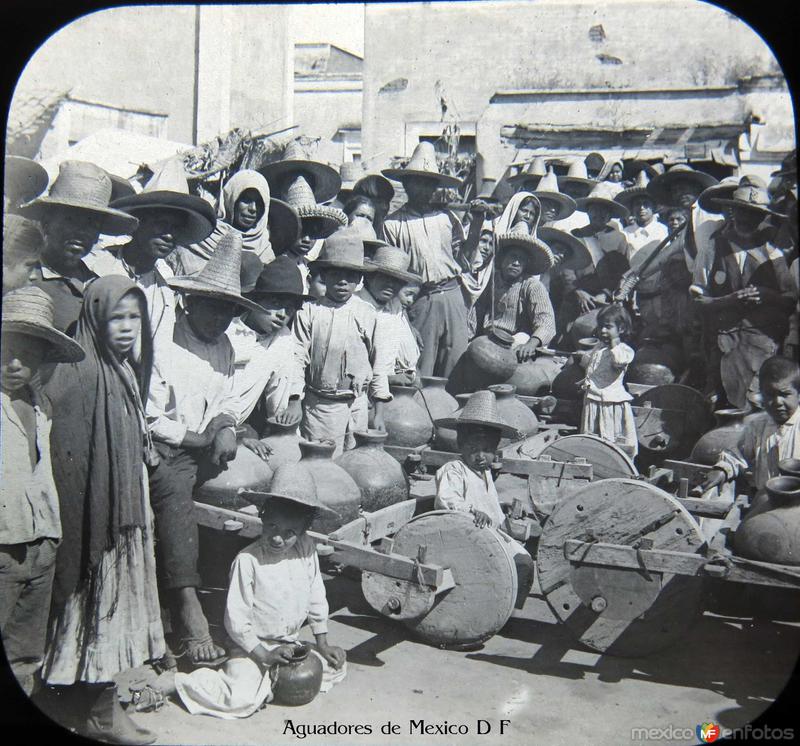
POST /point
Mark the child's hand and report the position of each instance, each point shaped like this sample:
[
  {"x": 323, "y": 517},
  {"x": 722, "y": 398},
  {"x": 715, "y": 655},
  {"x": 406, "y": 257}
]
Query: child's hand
[
  {"x": 334, "y": 655},
  {"x": 714, "y": 478},
  {"x": 268, "y": 658},
  {"x": 262, "y": 450},
  {"x": 481, "y": 519}
]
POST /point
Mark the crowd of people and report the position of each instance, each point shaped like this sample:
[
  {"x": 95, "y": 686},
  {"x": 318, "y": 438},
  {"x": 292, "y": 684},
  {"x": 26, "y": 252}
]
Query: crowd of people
[{"x": 148, "y": 334}]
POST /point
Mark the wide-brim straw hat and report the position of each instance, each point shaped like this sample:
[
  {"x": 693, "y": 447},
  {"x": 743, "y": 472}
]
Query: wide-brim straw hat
[
  {"x": 392, "y": 261},
  {"x": 480, "y": 409},
  {"x": 752, "y": 197},
  {"x": 725, "y": 189},
  {"x": 29, "y": 310},
  {"x": 788, "y": 166},
  {"x": 540, "y": 258},
  {"x": 325, "y": 182},
  {"x": 84, "y": 187},
  {"x": 221, "y": 276},
  {"x": 661, "y": 185},
  {"x": 532, "y": 171},
  {"x": 547, "y": 189},
  {"x": 579, "y": 256},
  {"x": 291, "y": 482},
  {"x": 598, "y": 196},
  {"x": 343, "y": 249},
  {"x": 639, "y": 189},
  {"x": 578, "y": 177},
  {"x": 281, "y": 276},
  {"x": 284, "y": 225},
  {"x": 423, "y": 164},
  {"x": 23, "y": 179},
  {"x": 300, "y": 197}
]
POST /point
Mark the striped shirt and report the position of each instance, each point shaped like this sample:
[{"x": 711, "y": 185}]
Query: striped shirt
[{"x": 524, "y": 306}]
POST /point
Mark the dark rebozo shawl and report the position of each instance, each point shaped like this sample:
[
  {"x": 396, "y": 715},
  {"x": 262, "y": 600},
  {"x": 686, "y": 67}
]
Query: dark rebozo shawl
[{"x": 97, "y": 439}]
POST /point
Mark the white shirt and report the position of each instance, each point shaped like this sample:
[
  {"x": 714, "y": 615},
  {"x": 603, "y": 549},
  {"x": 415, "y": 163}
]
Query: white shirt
[
  {"x": 605, "y": 371},
  {"x": 460, "y": 488},
  {"x": 640, "y": 236}
]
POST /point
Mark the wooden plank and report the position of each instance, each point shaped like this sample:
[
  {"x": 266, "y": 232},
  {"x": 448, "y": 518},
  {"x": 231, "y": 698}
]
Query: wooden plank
[
  {"x": 706, "y": 508},
  {"x": 213, "y": 517},
  {"x": 547, "y": 469},
  {"x": 401, "y": 453},
  {"x": 371, "y": 527},
  {"x": 695, "y": 473}
]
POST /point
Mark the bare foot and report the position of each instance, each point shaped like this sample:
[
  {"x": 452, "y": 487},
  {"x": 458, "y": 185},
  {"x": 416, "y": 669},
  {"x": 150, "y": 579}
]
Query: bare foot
[{"x": 195, "y": 628}]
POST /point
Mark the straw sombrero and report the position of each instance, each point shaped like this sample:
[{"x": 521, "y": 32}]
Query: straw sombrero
[
  {"x": 639, "y": 189},
  {"x": 708, "y": 197},
  {"x": 392, "y": 261},
  {"x": 29, "y": 310},
  {"x": 480, "y": 409},
  {"x": 751, "y": 196},
  {"x": 532, "y": 172},
  {"x": 168, "y": 190},
  {"x": 349, "y": 173},
  {"x": 579, "y": 255},
  {"x": 548, "y": 190},
  {"x": 577, "y": 177},
  {"x": 323, "y": 179},
  {"x": 600, "y": 196},
  {"x": 323, "y": 219},
  {"x": 292, "y": 482},
  {"x": 343, "y": 249},
  {"x": 366, "y": 230},
  {"x": 221, "y": 276},
  {"x": 660, "y": 186},
  {"x": 540, "y": 258},
  {"x": 23, "y": 179},
  {"x": 85, "y": 187},
  {"x": 423, "y": 163}
]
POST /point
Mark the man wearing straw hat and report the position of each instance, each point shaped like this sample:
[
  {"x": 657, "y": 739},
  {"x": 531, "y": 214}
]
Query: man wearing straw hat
[
  {"x": 431, "y": 237},
  {"x": 72, "y": 216},
  {"x": 30, "y": 525},
  {"x": 192, "y": 410}
]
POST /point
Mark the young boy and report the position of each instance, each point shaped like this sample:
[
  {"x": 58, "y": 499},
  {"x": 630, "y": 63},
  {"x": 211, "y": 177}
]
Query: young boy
[
  {"x": 30, "y": 527},
  {"x": 275, "y": 586},
  {"x": 340, "y": 360},
  {"x": 466, "y": 485},
  {"x": 769, "y": 436},
  {"x": 192, "y": 410},
  {"x": 22, "y": 248}
]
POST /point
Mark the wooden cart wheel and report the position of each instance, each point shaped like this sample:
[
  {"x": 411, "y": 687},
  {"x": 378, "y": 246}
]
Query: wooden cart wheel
[
  {"x": 620, "y": 611},
  {"x": 607, "y": 460},
  {"x": 680, "y": 416},
  {"x": 483, "y": 569}
]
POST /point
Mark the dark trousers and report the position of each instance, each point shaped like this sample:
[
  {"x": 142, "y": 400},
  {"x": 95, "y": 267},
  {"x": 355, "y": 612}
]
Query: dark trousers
[
  {"x": 172, "y": 483},
  {"x": 441, "y": 320},
  {"x": 26, "y": 583}
]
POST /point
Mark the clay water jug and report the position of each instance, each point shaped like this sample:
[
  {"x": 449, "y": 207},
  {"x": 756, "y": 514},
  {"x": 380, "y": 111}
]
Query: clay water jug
[
  {"x": 725, "y": 436},
  {"x": 772, "y": 533},
  {"x": 566, "y": 383},
  {"x": 789, "y": 467},
  {"x": 584, "y": 326},
  {"x": 513, "y": 412},
  {"x": 446, "y": 438},
  {"x": 335, "y": 487},
  {"x": 379, "y": 476},
  {"x": 220, "y": 487},
  {"x": 284, "y": 440},
  {"x": 407, "y": 422},
  {"x": 298, "y": 681},
  {"x": 489, "y": 359},
  {"x": 433, "y": 397},
  {"x": 655, "y": 363},
  {"x": 535, "y": 377}
]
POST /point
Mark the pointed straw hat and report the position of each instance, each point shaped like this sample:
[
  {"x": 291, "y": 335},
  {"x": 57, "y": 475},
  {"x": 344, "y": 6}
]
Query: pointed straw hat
[
  {"x": 300, "y": 197},
  {"x": 392, "y": 261},
  {"x": 323, "y": 179},
  {"x": 168, "y": 191},
  {"x": 660, "y": 186},
  {"x": 540, "y": 258},
  {"x": 87, "y": 188},
  {"x": 343, "y": 249},
  {"x": 23, "y": 179},
  {"x": 480, "y": 409},
  {"x": 639, "y": 189},
  {"x": 530, "y": 174},
  {"x": 577, "y": 177},
  {"x": 366, "y": 230},
  {"x": 423, "y": 163},
  {"x": 725, "y": 189},
  {"x": 548, "y": 189},
  {"x": 221, "y": 276},
  {"x": 29, "y": 310},
  {"x": 487, "y": 189},
  {"x": 349, "y": 173},
  {"x": 292, "y": 482},
  {"x": 578, "y": 255},
  {"x": 600, "y": 196}
]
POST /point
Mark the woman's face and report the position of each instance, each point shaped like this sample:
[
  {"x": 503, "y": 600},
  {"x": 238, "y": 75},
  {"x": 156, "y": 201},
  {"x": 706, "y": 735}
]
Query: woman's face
[
  {"x": 513, "y": 264},
  {"x": 363, "y": 210},
  {"x": 485, "y": 246},
  {"x": 526, "y": 212},
  {"x": 615, "y": 174},
  {"x": 247, "y": 210},
  {"x": 124, "y": 323}
]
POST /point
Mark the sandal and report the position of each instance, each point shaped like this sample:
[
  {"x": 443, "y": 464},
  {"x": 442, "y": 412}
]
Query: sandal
[
  {"x": 189, "y": 647},
  {"x": 146, "y": 698}
]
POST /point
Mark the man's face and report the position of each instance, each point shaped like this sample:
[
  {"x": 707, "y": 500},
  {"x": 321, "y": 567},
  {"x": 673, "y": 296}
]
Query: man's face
[
  {"x": 382, "y": 287},
  {"x": 549, "y": 210},
  {"x": 209, "y": 317},
  {"x": 675, "y": 219},
  {"x": 420, "y": 190},
  {"x": 684, "y": 193},
  {"x": 599, "y": 215},
  {"x": 156, "y": 232},
  {"x": 642, "y": 208},
  {"x": 20, "y": 357},
  {"x": 513, "y": 263},
  {"x": 69, "y": 236},
  {"x": 780, "y": 399},
  {"x": 746, "y": 220}
]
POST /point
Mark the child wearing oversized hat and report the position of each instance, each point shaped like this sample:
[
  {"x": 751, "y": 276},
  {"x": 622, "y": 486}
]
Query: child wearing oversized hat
[
  {"x": 30, "y": 528},
  {"x": 466, "y": 484},
  {"x": 340, "y": 360}
]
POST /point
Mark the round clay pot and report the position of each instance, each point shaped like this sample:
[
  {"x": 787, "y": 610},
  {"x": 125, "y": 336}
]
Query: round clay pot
[
  {"x": 407, "y": 422},
  {"x": 284, "y": 440},
  {"x": 489, "y": 359},
  {"x": 655, "y": 363},
  {"x": 535, "y": 377},
  {"x": 789, "y": 467},
  {"x": 335, "y": 487},
  {"x": 725, "y": 436},
  {"x": 379, "y": 476},
  {"x": 584, "y": 325},
  {"x": 298, "y": 681},
  {"x": 513, "y": 412},
  {"x": 221, "y": 487},
  {"x": 772, "y": 534},
  {"x": 446, "y": 438},
  {"x": 565, "y": 385},
  {"x": 433, "y": 397}
]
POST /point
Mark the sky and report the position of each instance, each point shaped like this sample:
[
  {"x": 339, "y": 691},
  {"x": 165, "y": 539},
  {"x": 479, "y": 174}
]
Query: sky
[{"x": 341, "y": 24}]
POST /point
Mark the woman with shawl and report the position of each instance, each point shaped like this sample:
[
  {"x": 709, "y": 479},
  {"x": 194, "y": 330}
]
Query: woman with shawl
[{"x": 106, "y": 615}]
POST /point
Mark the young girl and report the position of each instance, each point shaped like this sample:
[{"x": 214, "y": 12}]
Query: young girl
[
  {"x": 275, "y": 587},
  {"x": 106, "y": 615},
  {"x": 606, "y": 404}
]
